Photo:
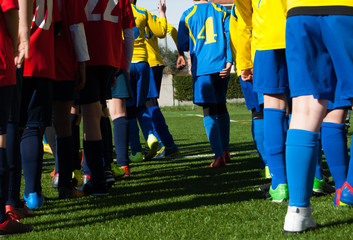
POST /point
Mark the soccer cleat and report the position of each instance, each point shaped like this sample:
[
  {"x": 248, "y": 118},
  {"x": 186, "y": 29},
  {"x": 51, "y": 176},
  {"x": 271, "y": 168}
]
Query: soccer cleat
[
  {"x": 267, "y": 172},
  {"x": 227, "y": 157},
  {"x": 18, "y": 213},
  {"x": 299, "y": 219},
  {"x": 52, "y": 173},
  {"x": 347, "y": 194},
  {"x": 11, "y": 226},
  {"x": 109, "y": 177},
  {"x": 138, "y": 157},
  {"x": 127, "y": 171},
  {"x": 160, "y": 153},
  {"x": 117, "y": 170},
  {"x": 69, "y": 192},
  {"x": 55, "y": 181},
  {"x": 153, "y": 144},
  {"x": 322, "y": 187},
  {"x": 219, "y": 162},
  {"x": 47, "y": 149},
  {"x": 279, "y": 194},
  {"x": 95, "y": 189},
  {"x": 167, "y": 152},
  {"x": 77, "y": 177},
  {"x": 34, "y": 200},
  {"x": 85, "y": 179},
  {"x": 337, "y": 200},
  {"x": 265, "y": 188}
]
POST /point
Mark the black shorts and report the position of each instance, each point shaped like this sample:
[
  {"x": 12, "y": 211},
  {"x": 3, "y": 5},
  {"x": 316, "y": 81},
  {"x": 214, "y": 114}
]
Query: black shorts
[{"x": 63, "y": 90}]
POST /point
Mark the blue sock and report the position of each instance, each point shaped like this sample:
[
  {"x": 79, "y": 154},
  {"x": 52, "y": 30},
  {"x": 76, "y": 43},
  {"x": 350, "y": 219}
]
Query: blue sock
[
  {"x": 224, "y": 127},
  {"x": 257, "y": 129},
  {"x": 64, "y": 156},
  {"x": 334, "y": 143},
  {"x": 4, "y": 183},
  {"x": 301, "y": 155},
  {"x": 134, "y": 136},
  {"x": 94, "y": 160},
  {"x": 107, "y": 138},
  {"x": 121, "y": 139},
  {"x": 213, "y": 134},
  {"x": 32, "y": 159},
  {"x": 275, "y": 144},
  {"x": 161, "y": 126},
  {"x": 77, "y": 143},
  {"x": 318, "y": 167},
  {"x": 15, "y": 168},
  {"x": 145, "y": 122}
]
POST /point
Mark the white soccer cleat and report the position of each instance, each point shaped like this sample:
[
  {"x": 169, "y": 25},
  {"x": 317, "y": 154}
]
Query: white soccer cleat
[{"x": 299, "y": 219}]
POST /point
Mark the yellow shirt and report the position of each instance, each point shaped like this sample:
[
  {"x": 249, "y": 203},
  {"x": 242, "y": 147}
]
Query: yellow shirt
[
  {"x": 154, "y": 56},
  {"x": 267, "y": 19},
  {"x": 144, "y": 19}
]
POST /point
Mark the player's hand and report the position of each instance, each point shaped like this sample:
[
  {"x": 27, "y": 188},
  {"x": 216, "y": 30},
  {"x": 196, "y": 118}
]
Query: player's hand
[
  {"x": 162, "y": 8},
  {"x": 81, "y": 76},
  {"x": 22, "y": 48},
  {"x": 181, "y": 63},
  {"x": 226, "y": 71},
  {"x": 247, "y": 75}
]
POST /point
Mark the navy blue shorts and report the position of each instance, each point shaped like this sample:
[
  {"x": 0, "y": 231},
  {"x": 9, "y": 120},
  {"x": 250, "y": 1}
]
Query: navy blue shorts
[
  {"x": 210, "y": 88},
  {"x": 36, "y": 102},
  {"x": 63, "y": 90},
  {"x": 156, "y": 75},
  {"x": 270, "y": 72},
  {"x": 122, "y": 88},
  {"x": 98, "y": 84},
  {"x": 139, "y": 80},
  {"x": 6, "y": 94}
]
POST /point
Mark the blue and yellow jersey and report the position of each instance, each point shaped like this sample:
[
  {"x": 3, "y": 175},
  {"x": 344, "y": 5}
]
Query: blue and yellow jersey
[
  {"x": 267, "y": 19},
  {"x": 320, "y": 7},
  {"x": 144, "y": 19},
  {"x": 204, "y": 31},
  {"x": 154, "y": 56}
]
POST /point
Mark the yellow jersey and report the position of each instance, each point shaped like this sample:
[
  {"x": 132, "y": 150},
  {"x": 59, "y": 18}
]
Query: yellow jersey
[{"x": 145, "y": 19}]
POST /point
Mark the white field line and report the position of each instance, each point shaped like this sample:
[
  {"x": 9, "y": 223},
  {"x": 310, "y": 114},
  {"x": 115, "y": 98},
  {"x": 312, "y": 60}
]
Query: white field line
[{"x": 201, "y": 116}]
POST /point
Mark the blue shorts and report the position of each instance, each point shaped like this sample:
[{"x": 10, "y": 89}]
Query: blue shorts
[
  {"x": 320, "y": 54},
  {"x": 122, "y": 88},
  {"x": 63, "y": 90},
  {"x": 210, "y": 89},
  {"x": 270, "y": 72},
  {"x": 6, "y": 94},
  {"x": 98, "y": 84},
  {"x": 139, "y": 81},
  {"x": 251, "y": 97},
  {"x": 36, "y": 102},
  {"x": 338, "y": 102},
  {"x": 156, "y": 75}
]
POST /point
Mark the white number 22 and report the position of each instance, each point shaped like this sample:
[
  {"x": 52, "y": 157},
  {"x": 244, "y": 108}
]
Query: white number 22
[{"x": 107, "y": 15}]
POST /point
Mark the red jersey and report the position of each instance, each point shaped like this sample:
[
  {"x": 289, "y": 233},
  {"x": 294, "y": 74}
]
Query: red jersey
[
  {"x": 7, "y": 64},
  {"x": 72, "y": 12},
  {"x": 106, "y": 21},
  {"x": 41, "y": 60}
]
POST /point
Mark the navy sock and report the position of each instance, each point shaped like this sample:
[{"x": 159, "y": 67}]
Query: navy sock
[
  {"x": 257, "y": 129},
  {"x": 145, "y": 122},
  {"x": 301, "y": 155},
  {"x": 275, "y": 144},
  {"x": 64, "y": 153},
  {"x": 134, "y": 136},
  {"x": 32, "y": 158},
  {"x": 334, "y": 143},
  {"x": 318, "y": 167},
  {"x": 120, "y": 130},
  {"x": 76, "y": 141},
  {"x": 224, "y": 128},
  {"x": 94, "y": 160},
  {"x": 161, "y": 126},
  {"x": 213, "y": 134},
  {"x": 15, "y": 168},
  {"x": 4, "y": 181},
  {"x": 107, "y": 137}
]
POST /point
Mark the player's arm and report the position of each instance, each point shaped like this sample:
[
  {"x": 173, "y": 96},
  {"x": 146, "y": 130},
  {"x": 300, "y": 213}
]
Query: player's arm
[
  {"x": 229, "y": 61},
  {"x": 182, "y": 43},
  {"x": 173, "y": 33},
  {"x": 129, "y": 41},
  {"x": 158, "y": 26},
  {"x": 25, "y": 21},
  {"x": 245, "y": 10}
]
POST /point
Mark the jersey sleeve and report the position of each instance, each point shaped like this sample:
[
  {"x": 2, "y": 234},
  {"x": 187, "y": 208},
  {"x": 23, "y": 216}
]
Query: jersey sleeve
[
  {"x": 158, "y": 26},
  {"x": 229, "y": 58},
  {"x": 183, "y": 35},
  {"x": 244, "y": 8},
  {"x": 173, "y": 33},
  {"x": 8, "y": 4},
  {"x": 233, "y": 32},
  {"x": 243, "y": 38},
  {"x": 128, "y": 16}
]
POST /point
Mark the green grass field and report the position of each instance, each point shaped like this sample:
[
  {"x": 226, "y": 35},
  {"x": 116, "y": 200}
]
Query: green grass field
[{"x": 183, "y": 198}]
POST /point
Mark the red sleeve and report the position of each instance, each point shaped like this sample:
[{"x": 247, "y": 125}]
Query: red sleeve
[
  {"x": 8, "y": 4},
  {"x": 76, "y": 12},
  {"x": 128, "y": 15}
]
